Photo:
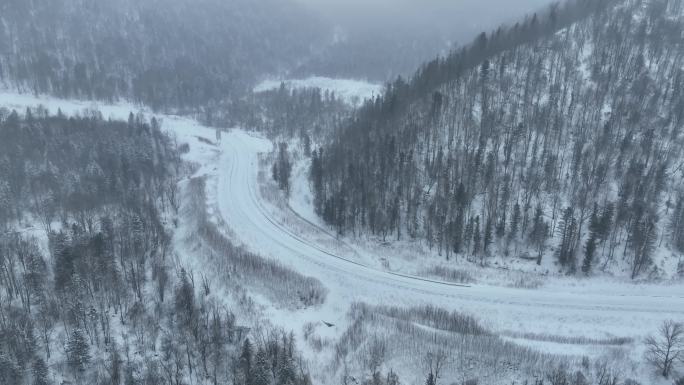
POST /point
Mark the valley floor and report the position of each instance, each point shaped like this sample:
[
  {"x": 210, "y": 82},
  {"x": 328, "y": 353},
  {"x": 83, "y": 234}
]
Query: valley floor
[
  {"x": 543, "y": 319},
  {"x": 594, "y": 310}
]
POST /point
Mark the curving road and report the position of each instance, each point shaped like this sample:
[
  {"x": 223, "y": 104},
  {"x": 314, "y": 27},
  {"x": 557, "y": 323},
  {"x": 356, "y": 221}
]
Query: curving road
[{"x": 563, "y": 312}]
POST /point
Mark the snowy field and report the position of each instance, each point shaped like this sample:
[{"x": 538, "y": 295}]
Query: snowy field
[
  {"x": 567, "y": 319},
  {"x": 351, "y": 91}
]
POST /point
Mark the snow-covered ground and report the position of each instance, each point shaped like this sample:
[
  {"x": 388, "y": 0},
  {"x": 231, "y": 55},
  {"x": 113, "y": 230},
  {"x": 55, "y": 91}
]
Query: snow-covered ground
[
  {"x": 598, "y": 311},
  {"x": 351, "y": 91},
  {"x": 249, "y": 215},
  {"x": 235, "y": 199}
]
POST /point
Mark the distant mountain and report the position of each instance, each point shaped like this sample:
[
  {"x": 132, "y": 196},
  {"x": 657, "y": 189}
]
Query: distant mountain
[
  {"x": 178, "y": 54},
  {"x": 557, "y": 140}
]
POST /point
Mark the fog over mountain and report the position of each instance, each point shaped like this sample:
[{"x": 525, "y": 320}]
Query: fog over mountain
[
  {"x": 451, "y": 15},
  {"x": 396, "y": 36}
]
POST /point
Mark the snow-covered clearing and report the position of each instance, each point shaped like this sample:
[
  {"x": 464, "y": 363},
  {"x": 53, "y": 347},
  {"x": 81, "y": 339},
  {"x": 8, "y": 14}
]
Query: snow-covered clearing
[
  {"x": 235, "y": 201},
  {"x": 351, "y": 91}
]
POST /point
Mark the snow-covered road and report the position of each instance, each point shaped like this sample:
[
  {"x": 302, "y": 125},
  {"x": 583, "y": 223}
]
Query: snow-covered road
[
  {"x": 232, "y": 167},
  {"x": 620, "y": 311}
]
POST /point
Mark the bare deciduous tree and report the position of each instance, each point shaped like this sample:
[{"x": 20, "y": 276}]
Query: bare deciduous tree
[
  {"x": 434, "y": 362},
  {"x": 665, "y": 348},
  {"x": 374, "y": 356}
]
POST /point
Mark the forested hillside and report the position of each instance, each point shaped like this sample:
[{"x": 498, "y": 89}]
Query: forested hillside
[
  {"x": 91, "y": 288},
  {"x": 290, "y": 112},
  {"x": 557, "y": 138},
  {"x": 174, "y": 54}
]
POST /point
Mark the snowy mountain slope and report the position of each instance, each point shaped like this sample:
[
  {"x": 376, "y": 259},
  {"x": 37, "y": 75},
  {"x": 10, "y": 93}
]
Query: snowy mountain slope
[
  {"x": 231, "y": 168},
  {"x": 549, "y": 147},
  {"x": 236, "y": 285},
  {"x": 584, "y": 311},
  {"x": 246, "y": 212}
]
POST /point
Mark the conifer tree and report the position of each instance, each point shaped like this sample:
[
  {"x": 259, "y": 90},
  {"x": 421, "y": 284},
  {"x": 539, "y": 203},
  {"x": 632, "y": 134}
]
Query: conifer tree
[
  {"x": 245, "y": 362},
  {"x": 114, "y": 366},
  {"x": 567, "y": 231},
  {"x": 539, "y": 233},
  {"x": 487, "y": 235},
  {"x": 430, "y": 379},
  {"x": 589, "y": 251},
  {"x": 39, "y": 372},
  {"x": 77, "y": 351},
  {"x": 501, "y": 226},
  {"x": 515, "y": 223},
  {"x": 262, "y": 370},
  {"x": 477, "y": 237}
]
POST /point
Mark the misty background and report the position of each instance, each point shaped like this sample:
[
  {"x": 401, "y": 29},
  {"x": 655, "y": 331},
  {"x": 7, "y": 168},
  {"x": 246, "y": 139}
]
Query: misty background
[
  {"x": 174, "y": 54},
  {"x": 380, "y": 39}
]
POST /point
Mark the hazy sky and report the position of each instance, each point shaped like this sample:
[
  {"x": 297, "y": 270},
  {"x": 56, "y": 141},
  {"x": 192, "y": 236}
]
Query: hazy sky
[{"x": 458, "y": 18}]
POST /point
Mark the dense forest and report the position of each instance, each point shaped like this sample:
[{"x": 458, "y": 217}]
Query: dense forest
[
  {"x": 559, "y": 137},
  {"x": 166, "y": 54},
  {"x": 286, "y": 112},
  {"x": 103, "y": 300}
]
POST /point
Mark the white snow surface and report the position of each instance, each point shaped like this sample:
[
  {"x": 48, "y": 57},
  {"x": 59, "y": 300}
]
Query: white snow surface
[
  {"x": 594, "y": 311},
  {"x": 580, "y": 312},
  {"x": 232, "y": 166},
  {"x": 351, "y": 91}
]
